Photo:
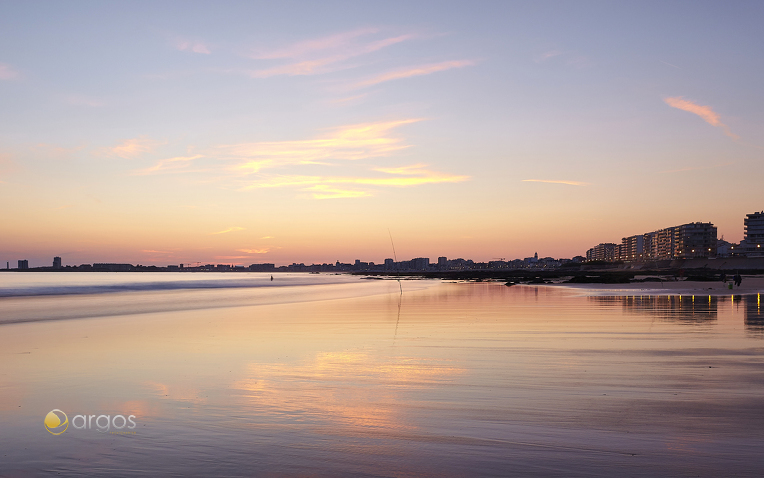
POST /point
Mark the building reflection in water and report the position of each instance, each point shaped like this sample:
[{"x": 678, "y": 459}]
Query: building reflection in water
[
  {"x": 754, "y": 316},
  {"x": 690, "y": 309}
]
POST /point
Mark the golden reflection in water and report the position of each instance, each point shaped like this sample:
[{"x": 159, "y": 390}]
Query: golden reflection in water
[
  {"x": 180, "y": 392},
  {"x": 754, "y": 319},
  {"x": 672, "y": 308},
  {"x": 349, "y": 388}
]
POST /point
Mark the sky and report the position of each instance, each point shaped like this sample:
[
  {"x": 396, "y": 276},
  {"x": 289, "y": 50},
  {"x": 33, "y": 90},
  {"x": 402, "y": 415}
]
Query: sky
[{"x": 250, "y": 132}]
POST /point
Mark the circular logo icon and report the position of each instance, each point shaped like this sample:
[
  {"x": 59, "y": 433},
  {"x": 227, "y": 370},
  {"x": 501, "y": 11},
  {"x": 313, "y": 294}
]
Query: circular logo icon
[{"x": 56, "y": 422}]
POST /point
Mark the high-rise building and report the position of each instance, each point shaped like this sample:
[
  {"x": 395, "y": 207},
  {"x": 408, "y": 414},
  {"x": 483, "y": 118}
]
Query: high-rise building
[
  {"x": 632, "y": 248},
  {"x": 695, "y": 239},
  {"x": 24, "y": 264},
  {"x": 754, "y": 228},
  {"x": 602, "y": 252},
  {"x": 57, "y": 262}
]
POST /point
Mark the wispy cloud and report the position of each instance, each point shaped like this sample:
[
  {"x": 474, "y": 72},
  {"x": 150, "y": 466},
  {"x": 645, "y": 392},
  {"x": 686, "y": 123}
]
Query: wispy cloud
[
  {"x": 414, "y": 71},
  {"x": 301, "y": 49},
  {"x": 361, "y": 141},
  {"x": 132, "y": 148},
  {"x": 570, "y": 58},
  {"x": 705, "y": 112},
  {"x": 669, "y": 64},
  {"x": 330, "y": 187},
  {"x": 7, "y": 72},
  {"x": 554, "y": 181},
  {"x": 547, "y": 55},
  {"x": 323, "y": 55},
  {"x": 267, "y": 237},
  {"x": 254, "y": 251},
  {"x": 192, "y": 46},
  {"x": 169, "y": 165},
  {"x": 323, "y": 191},
  {"x": 230, "y": 229}
]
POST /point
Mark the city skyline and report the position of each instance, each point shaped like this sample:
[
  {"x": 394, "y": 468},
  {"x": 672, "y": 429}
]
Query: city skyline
[
  {"x": 673, "y": 242},
  {"x": 174, "y": 133}
]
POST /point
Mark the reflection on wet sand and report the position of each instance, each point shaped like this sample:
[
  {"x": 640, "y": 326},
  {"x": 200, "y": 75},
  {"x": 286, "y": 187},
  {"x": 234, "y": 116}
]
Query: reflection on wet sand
[
  {"x": 350, "y": 389},
  {"x": 447, "y": 379},
  {"x": 686, "y": 309},
  {"x": 754, "y": 315}
]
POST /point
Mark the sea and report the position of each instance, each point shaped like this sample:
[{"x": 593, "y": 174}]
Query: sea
[{"x": 235, "y": 374}]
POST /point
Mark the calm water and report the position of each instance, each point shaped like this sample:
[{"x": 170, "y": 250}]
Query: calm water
[{"x": 336, "y": 375}]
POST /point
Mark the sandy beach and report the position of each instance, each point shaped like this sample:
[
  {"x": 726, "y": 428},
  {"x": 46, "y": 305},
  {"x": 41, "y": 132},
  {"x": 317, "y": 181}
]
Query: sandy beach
[
  {"x": 359, "y": 379},
  {"x": 750, "y": 285}
]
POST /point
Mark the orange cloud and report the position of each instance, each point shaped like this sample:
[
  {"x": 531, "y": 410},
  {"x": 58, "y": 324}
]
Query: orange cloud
[
  {"x": 325, "y": 187},
  {"x": 414, "y": 71},
  {"x": 169, "y": 164},
  {"x": 254, "y": 251},
  {"x": 353, "y": 142},
  {"x": 323, "y": 191},
  {"x": 133, "y": 147},
  {"x": 705, "y": 112},
  {"x": 552, "y": 181},
  {"x": 230, "y": 229}
]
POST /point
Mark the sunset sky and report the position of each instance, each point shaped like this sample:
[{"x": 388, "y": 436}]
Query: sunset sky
[{"x": 242, "y": 132}]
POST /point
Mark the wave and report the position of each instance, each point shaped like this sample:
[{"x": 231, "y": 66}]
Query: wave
[{"x": 35, "y": 285}]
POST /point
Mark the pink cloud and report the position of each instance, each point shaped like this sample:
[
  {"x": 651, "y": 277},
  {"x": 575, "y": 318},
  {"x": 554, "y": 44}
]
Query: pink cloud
[
  {"x": 193, "y": 46},
  {"x": 414, "y": 71},
  {"x": 705, "y": 112},
  {"x": 7, "y": 72},
  {"x": 304, "y": 48},
  {"x": 324, "y": 54},
  {"x": 169, "y": 165},
  {"x": 134, "y": 147}
]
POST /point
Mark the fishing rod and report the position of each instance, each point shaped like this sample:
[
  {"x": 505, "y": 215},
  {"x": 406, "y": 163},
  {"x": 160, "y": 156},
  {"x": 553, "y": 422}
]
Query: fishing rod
[
  {"x": 395, "y": 257},
  {"x": 400, "y": 297}
]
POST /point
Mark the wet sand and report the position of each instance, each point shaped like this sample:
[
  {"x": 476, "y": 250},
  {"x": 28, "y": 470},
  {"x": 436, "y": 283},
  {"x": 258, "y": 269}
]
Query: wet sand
[
  {"x": 467, "y": 379},
  {"x": 749, "y": 285}
]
